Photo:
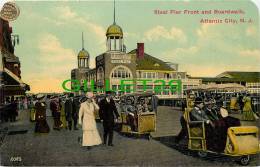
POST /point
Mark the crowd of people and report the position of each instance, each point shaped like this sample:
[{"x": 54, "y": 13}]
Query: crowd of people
[
  {"x": 64, "y": 110},
  {"x": 11, "y": 107},
  {"x": 68, "y": 112},
  {"x": 212, "y": 110}
]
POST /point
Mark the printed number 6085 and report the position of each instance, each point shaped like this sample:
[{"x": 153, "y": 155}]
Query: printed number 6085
[{"x": 15, "y": 159}]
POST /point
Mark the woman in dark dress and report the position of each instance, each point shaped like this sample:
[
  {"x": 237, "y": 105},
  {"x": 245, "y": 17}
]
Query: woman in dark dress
[
  {"x": 13, "y": 110},
  {"x": 41, "y": 125}
]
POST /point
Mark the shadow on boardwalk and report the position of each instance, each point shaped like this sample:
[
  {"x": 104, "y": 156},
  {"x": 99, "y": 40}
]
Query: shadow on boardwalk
[{"x": 182, "y": 147}]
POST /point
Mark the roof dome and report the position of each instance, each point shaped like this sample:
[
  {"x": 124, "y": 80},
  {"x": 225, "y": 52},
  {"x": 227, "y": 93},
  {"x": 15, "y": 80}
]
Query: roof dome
[
  {"x": 114, "y": 30},
  {"x": 83, "y": 54}
]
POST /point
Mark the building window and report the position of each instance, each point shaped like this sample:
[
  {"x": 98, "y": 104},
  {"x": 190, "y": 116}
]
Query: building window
[
  {"x": 100, "y": 73},
  {"x": 153, "y": 75},
  {"x": 149, "y": 75},
  {"x": 144, "y": 75},
  {"x": 149, "y": 86},
  {"x": 166, "y": 75},
  {"x": 114, "y": 87},
  {"x": 121, "y": 72}
]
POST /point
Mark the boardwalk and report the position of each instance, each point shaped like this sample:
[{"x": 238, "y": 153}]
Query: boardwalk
[{"x": 62, "y": 147}]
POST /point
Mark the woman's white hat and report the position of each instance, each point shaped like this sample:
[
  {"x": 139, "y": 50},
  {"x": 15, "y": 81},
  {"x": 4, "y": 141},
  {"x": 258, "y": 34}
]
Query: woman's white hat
[
  {"x": 89, "y": 94},
  {"x": 39, "y": 96},
  {"x": 223, "y": 112}
]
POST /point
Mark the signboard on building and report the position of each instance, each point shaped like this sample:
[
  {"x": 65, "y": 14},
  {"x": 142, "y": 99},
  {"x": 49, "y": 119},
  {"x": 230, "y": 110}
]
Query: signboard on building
[
  {"x": 121, "y": 58},
  {"x": 121, "y": 61}
]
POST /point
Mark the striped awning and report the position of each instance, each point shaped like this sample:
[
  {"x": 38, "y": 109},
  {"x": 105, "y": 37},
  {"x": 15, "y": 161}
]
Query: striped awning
[{"x": 13, "y": 85}]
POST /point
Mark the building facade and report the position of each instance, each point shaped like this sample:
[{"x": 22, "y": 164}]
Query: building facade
[
  {"x": 81, "y": 73},
  {"x": 251, "y": 80},
  {"x": 133, "y": 68},
  {"x": 11, "y": 83}
]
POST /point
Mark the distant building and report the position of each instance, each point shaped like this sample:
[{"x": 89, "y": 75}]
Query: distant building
[
  {"x": 251, "y": 80},
  {"x": 11, "y": 83}
]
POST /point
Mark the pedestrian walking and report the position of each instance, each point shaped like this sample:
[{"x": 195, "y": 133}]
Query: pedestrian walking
[
  {"x": 6, "y": 115},
  {"x": 41, "y": 125},
  {"x": 48, "y": 106},
  {"x": 13, "y": 110},
  {"x": 90, "y": 135},
  {"x": 75, "y": 114},
  {"x": 55, "y": 108},
  {"x": 240, "y": 102},
  {"x": 155, "y": 103},
  {"x": 70, "y": 113},
  {"x": 248, "y": 114},
  {"x": 25, "y": 103},
  {"x": 20, "y": 104},
  {"x": 106, "y": 113},
  {"x": 62, "y": 112},
  {"x": 32, "y": 111}
]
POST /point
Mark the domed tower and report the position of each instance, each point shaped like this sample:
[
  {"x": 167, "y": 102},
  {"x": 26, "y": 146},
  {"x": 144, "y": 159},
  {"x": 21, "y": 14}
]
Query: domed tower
[
  {"x": 83, "y": 56},
  {"x": 115, "y": 37}
]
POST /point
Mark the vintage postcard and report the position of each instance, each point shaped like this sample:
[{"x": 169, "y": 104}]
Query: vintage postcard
[{"x": 129, "y": 83}]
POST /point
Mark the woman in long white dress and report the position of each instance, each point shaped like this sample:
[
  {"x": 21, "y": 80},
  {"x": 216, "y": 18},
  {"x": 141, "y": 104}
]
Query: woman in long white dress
[{"x": 91, "y": 136}]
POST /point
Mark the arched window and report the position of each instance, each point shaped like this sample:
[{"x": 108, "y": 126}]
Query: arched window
[{"x": 121, "y": 72}]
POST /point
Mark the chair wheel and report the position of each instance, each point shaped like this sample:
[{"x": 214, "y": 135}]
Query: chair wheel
[
  {"x": 202, "y": 154},
  {"x": 148, "y": 137},
  {"x": 244, "y": 160}
]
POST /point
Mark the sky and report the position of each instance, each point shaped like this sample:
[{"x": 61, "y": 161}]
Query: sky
[{"x": 50, "y": 36}]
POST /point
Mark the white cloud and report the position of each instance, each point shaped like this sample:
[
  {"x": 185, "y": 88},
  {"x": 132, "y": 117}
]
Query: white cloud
[
  {"x": 201, "y": 70},
  {"x": 131, "y": 35},
  {"x": 55, "y": 64},
  {"x": 42, "y": 83},
  {"x": 51, "y": 50},
  {"x": 30, "y": 15},
  {"x": 64, "y": 12},
  {"x": 181, "y": 53},
  {"x": 185, "y": 51},
  {"x": 209, "y": 31},
  {"x": 92, "y": 63},
  {"x": 97, "y": 29},
  {"x": 251, "y": 31},
  {"x": 159, "y": 32},
  {"x": 255, "y": 53},
  {"x": 56, "y": 61}
]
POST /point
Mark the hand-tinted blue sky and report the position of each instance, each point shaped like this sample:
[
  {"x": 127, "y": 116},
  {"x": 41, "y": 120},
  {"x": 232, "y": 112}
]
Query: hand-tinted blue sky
[{"x": 50, "y": 36}]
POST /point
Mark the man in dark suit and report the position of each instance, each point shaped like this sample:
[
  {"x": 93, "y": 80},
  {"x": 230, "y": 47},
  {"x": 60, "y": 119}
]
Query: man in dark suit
[
  {"x": 14, "y": 110},
  {"x": 71, "y": 113},
  {"x": 55, "y": 108},
  {"x": 106, "y": 113},
  {"x": 75, "y": 115},
  {"x": 211, "y": 110}
]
